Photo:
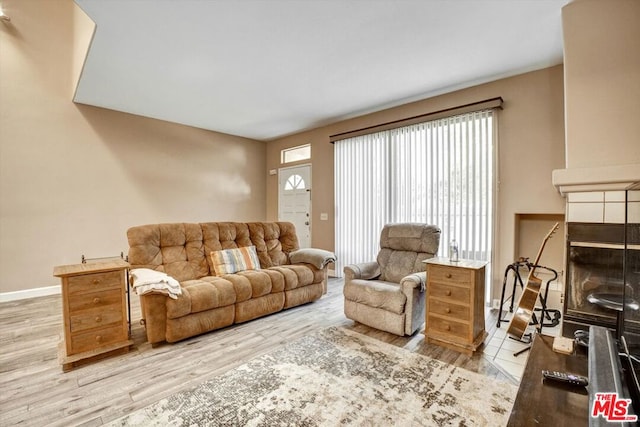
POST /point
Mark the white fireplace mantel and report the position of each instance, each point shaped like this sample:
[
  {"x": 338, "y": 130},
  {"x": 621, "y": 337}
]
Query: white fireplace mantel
[{"x": 604, "y": 178}]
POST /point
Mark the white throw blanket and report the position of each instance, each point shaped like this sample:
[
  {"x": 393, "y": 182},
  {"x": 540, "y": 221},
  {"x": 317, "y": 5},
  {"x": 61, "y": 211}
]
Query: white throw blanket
[{"x": 146, "y": 280}]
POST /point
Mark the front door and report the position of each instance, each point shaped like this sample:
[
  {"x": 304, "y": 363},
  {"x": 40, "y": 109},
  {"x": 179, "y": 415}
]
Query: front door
[{"x": 294, "y": 200}]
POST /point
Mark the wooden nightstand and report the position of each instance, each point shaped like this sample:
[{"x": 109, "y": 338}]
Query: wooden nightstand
[
  {"x": 94, "y": 310},
  {"x": 455, "y": 304}
]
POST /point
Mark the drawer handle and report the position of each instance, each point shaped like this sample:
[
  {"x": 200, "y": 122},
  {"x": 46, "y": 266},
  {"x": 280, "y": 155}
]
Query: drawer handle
[
  {"x": 447, "y": 328},
  {"x": 96, "y": 300},
  {"x": 448, "y": 293},
  {"x": 448, "y": 275},
  {"x": 98, "y": 319},
  {"x": 448, "y": 310},
  {"x": 96, "y": 281},
  {"x": 98, "y": 338}
]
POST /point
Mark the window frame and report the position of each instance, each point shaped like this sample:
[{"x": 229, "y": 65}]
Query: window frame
[{"x": 297, "y": 148}]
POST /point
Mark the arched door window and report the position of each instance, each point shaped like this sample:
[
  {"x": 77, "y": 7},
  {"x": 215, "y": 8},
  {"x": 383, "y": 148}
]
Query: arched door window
[{"x": 295, "y": 182}]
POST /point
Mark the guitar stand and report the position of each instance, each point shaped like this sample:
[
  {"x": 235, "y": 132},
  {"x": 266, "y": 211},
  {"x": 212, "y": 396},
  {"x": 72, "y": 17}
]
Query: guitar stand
[
  {"x": 515, "y": 267},
  {"x": 544, "y": 311},
  {"x": 517, "y": 279}
]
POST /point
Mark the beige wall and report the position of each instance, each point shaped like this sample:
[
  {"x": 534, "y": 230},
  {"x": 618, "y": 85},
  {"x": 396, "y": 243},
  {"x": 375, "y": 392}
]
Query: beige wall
[
  {"x": 531, "y": 145},
  {"x": 602, "y": 82},
  {"x": 73, "y": 178}
]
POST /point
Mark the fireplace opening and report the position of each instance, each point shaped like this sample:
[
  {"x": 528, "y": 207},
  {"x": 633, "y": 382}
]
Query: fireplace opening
[{"x": 596, "y": 287}]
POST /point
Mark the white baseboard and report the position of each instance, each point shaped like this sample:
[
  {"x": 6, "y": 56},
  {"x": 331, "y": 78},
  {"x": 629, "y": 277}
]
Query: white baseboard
[{"x": 30, "y": 293}]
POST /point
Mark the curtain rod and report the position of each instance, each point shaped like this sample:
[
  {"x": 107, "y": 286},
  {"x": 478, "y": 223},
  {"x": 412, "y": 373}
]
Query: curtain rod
[{"x": 462, "y": 109}]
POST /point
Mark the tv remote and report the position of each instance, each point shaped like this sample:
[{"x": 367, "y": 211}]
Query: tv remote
[{"x": 566, "y": 378}]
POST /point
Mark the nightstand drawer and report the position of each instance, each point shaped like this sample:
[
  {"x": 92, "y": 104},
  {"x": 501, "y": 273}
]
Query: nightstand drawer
[
  {"x": 440, "y": 326},
  {"x": 446, "y": 308},
  {"x": 96, "y": 338},
  {"x": 444, "y": 274},
  {"x": 95, "y": 318},
  {"x": 94, "y": 299},
  {"x": 94, "y": 282},
  {"x": 454, "y": 293}
]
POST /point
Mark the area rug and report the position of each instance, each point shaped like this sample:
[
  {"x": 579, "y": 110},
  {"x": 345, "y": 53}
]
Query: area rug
[{"x": 336, "y": 377}]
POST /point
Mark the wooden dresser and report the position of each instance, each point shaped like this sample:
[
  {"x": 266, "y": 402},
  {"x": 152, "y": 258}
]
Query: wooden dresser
[
  {"x": 94, "y": 311},
  {"x": 455, "y": 304}
]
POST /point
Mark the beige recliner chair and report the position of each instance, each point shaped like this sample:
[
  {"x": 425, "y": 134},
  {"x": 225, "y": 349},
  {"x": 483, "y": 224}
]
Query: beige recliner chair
[{"x": 390, "y": 294}]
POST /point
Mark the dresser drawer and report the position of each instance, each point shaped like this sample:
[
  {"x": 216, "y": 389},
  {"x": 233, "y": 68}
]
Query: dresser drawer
[
  {"x": 95, "y": 318},
  {"x": 444, "y": 274},
  {"x": 454, "y": 293},
  {"x": 86, "y": 301},
  {"x": 437, "y": 325},
  {"x": 94, "y": 282},
  {"x": 90, "y": 340},
  {"x": 445, "y": 308}
]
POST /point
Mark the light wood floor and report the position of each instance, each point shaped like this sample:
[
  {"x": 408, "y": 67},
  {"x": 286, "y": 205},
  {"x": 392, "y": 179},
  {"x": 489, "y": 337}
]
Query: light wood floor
[{"x": 35, "y": 392}]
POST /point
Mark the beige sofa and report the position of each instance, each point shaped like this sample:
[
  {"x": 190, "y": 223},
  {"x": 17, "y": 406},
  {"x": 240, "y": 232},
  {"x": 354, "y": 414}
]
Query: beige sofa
[{"x": 287, "y": 277}]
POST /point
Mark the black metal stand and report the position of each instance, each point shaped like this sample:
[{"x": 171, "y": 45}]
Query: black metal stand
[
  {"x": 515, "y": 267},
  {"x": 545, "y": 313}
]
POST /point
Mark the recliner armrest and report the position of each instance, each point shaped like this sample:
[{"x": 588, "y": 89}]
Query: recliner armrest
[
  {"x": 415, "y": 280},
  {"x": 316, "y": 257},
  {"x": 365, "y": 270}
]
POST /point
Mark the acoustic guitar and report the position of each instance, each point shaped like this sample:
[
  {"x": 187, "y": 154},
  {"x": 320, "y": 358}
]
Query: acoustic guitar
[{"x": 527, "y": 302}]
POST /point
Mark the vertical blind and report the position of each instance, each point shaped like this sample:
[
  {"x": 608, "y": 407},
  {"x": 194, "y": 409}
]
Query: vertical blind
[{"x": 439, "y": 172}]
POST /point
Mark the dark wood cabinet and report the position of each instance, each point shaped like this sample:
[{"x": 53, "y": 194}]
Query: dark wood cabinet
[{"x": 549, "y": 403}]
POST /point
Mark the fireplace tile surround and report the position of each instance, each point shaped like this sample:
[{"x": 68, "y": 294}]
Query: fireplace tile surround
[{"x": 605, "y": 207}]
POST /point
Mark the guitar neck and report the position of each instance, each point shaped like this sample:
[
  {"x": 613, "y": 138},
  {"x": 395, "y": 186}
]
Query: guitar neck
[
  {"x": 537, "y": 260},
  {"x": 539, "y": 255}
]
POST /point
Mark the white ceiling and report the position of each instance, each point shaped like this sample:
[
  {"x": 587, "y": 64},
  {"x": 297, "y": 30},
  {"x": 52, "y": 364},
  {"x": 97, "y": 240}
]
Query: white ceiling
[{"x": 267, "y": 68}]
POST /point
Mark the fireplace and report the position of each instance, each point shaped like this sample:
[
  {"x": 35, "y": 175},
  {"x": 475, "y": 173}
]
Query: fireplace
[{"x": 603, "y": 277}]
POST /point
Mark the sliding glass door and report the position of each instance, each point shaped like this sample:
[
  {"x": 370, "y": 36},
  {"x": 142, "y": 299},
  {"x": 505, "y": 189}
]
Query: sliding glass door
[{"x": 439, "y": 172}]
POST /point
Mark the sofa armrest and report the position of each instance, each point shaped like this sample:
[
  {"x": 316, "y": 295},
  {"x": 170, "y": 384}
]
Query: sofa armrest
[
  {"x": 365, "y": 270},
  {"x": 319, "y": 258},
  {"x": 154, "y": 317},
  {"x": 413, "y": 281}
]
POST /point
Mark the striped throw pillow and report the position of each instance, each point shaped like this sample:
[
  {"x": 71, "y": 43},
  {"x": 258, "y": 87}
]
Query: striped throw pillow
[{"x": 230, "y": 261}]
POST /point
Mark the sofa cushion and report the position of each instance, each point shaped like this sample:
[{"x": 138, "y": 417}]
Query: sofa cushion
[
  {"x": 377, "y": 294},
  {"x": 255, "y": 283},
  {"x": 218, "y": 236},
  {"x": 201, "y": 295},
  {"x": 277, "y": 279},
  {"x": 264, "y": 281},
  {"x": 273, "y": 241},
  {"x": 296, "y": 276},
  {"x": 228, "y": 261},
  {"x": 260, "y": 282},
  {"x": 175, "y": 249}
]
